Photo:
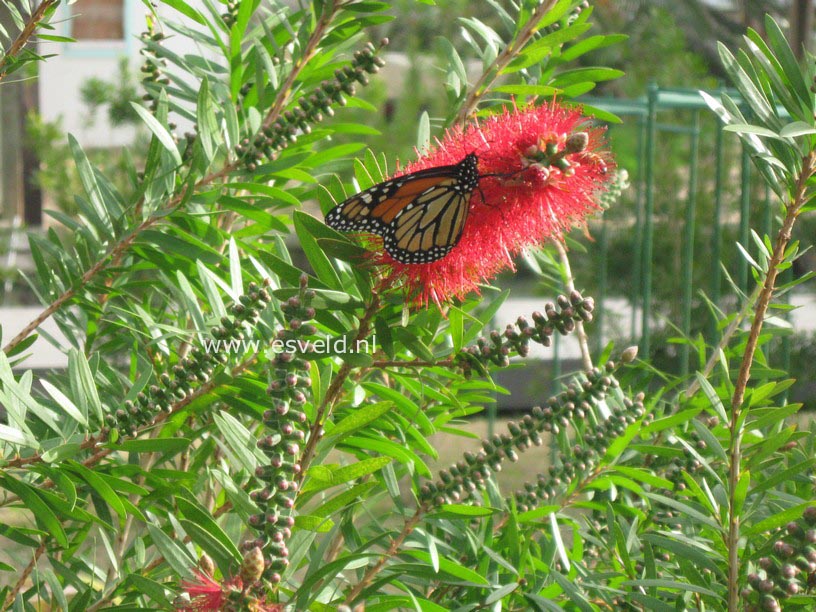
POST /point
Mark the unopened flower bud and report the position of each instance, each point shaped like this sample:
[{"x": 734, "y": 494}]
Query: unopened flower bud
[{"x": 252, "y": 566}]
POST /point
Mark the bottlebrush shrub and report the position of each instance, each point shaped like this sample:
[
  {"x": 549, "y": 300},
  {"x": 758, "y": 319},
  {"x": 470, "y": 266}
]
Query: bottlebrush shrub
[{"x": 250, "y": 412}]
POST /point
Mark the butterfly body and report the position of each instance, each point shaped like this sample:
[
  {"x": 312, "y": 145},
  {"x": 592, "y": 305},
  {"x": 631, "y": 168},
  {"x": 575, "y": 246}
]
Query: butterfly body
[{"x": 420, "y": 216}]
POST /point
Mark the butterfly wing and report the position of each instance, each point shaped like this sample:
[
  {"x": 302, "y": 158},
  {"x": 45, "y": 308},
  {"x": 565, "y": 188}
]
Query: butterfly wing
[
  {"x": 420, "y": 216},
  {"x": 430, "y": 226}
]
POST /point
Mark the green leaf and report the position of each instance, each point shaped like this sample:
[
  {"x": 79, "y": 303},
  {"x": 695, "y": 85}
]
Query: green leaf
[
  {"x": 452, "y": 568},
  {"x": 186, "y": 10},
  {"x": 572, "y": 591},
  {"x": 54, "y": 38},
  {"x": 544, "y": 46},
  {"x": 17, "y": 535},
  {"x": 752, "y": 94},
  {"x": 83, "y": 386},
  {"x": 455, "y": 66},
  {"x": 58, "y": 599},
  {"x": 672, "y": 421},
  {"x": 590, "y": 44},
  {"x": 771, "y": 417},
  {"x": 408, "y": 408},
  {"x": 741, "y": 490},
  {"x": 797, "y": 128},
  {"x": 154, "y": 590},
  {"x": 239, "y": 498},
  {"x": 644, "y": 476},
  {"x": 159, "y": 131},
  {"x": 169, "y": 446},
  {"x": 787, "y": 60},
  {"x": 358, "y": 419},
  {"x": 193, "y": 511},
  {"x": 412, "y": 342},
  {"x": 341, "y": 500},
  {"x": 555, "y": 531},
  {"x": 746, "y": 128},
  {"x": 599, "y": 113},
  {"x": 177, "y": 557},
  {"x": 590, "y": 74},
  {"x": 423, "y": 132},
  {"x": 344, "y": 249},
  {"x": 523, "y": 89},
  {"x": 384, "y": 446},
  {"x": 318, "y": 524},
  {"x": 671, "y": 584},
  {"x": 358, "y": 470},
  {"x": 685, "y": 510},
  {"x": 42, "y": 513},
  {"x": 771, "y": 481},
  {"x": 207, "y": 124},
  {"x": 776, "y": 520},
  {"x": 307, "y": 229},
  {"x": 239, "y": 440},
  {"x": 460, "y": 511},
  {"x": 101, "y": 487},
  {"x": 66, "y": 404},
  {"x": 215, "y": 547},
  {"x": 694, "y": 549},
  {"x": 18, "y": 437}
]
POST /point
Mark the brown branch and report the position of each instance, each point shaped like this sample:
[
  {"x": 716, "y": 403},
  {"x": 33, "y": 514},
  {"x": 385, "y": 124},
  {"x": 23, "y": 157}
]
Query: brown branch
[
  {"x": 793, "y": 209},
  {"x": 393, "y": 549},
  {"x": 26, "y": 33},
  {"x": 311, "y": 47},
  {"x": 502, "y": 59},
  {"x": 25, "y": 574}
]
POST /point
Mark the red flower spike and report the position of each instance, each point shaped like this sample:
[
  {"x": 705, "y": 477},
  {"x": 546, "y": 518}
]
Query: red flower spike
[
  {"x": 208, "y": 595},
  {"x": 549, "y": 169}
]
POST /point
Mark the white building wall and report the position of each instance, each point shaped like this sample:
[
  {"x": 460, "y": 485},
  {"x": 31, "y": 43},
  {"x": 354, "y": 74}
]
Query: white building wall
[{"x": 61, "y": 77}]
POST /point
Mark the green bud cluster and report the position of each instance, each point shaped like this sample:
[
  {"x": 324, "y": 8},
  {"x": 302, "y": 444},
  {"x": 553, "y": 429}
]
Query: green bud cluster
[
  {"x": 231, "y": 16},
  {"x": 789, "y": 569},
  {"x": 583, "y": 457},
  {"x": 192, "y": 370},
  {"x": 153, "y": 78},
  {"x": 614, "y": 189},
  {"x": 573, "y": 15},
  {"x": 285, "y": 431},
  {"x": 498, "y": 348},
  {"x": 576, "y": 404},
  {"x": 688, "y": 463},
  {"x": 310, "y": 109}
]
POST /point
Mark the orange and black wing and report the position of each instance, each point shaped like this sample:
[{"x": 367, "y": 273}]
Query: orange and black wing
[{"x": 420, "y": 216}]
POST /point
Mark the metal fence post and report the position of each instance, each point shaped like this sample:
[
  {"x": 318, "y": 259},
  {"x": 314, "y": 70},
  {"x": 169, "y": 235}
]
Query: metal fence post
[
  {"x": 648, "y": 226},
  {"x": 687, "y": 261}
]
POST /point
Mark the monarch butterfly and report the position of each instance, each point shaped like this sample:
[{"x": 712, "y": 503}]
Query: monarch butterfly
[{"x": 420, "y": 216}]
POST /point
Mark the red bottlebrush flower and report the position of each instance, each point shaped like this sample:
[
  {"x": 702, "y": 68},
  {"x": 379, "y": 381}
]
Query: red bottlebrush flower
[
  {"x": 208, "y": 595},
  {"x": 540, "y": 170}
]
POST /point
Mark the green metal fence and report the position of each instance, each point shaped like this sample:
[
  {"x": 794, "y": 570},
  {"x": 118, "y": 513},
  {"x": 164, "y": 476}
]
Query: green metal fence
[{"x": 672, "y": 133}]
